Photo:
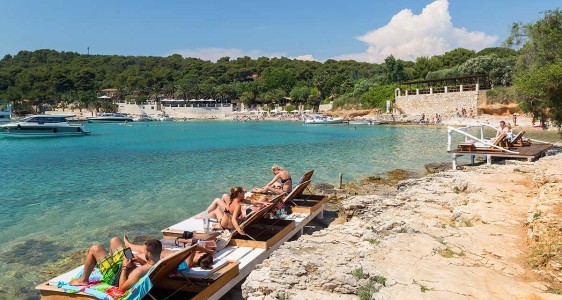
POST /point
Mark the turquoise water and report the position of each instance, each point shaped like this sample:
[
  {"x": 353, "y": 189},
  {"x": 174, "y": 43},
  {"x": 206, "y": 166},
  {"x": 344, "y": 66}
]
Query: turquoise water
[{"x": 59, "y": 195}]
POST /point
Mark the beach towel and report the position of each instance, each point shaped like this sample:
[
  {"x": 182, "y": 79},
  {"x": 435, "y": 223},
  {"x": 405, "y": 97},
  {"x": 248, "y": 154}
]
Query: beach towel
[{"x": 104, "y": 291}]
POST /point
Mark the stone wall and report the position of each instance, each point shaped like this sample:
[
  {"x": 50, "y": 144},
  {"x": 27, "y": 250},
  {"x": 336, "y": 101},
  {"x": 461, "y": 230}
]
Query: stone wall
[
  {"x": 442, "y": 103},
  {"x": 326, "y": 107},
  {"x": 176, "y": 112}
]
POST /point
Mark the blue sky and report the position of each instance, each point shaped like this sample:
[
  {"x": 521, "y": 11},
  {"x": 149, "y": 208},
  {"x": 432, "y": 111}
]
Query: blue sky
[{"x": 362, "y": 30}]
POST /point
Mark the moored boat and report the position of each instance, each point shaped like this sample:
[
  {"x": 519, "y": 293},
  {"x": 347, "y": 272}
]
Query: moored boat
[
  {"x": 164, "y": 118},
  {"x": 43, "y": 126},
  {"x": 110, "y": 118},
  {"x": 364, "y": 122},
  {"x": 145, "y": 118},
  {"x": 321, "y": 119}
]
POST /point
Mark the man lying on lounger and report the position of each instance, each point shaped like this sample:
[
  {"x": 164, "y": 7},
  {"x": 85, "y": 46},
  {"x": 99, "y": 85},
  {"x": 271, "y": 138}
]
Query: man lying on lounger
[
  {"x": 115, "y": 268},
  {"x": 201, "y": 257}
]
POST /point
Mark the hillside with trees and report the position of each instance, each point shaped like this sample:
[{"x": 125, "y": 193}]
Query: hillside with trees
[{"x": 30, "y": 79}]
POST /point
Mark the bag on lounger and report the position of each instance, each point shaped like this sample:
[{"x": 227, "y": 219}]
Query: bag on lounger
[{"x": 222, "y": 240}]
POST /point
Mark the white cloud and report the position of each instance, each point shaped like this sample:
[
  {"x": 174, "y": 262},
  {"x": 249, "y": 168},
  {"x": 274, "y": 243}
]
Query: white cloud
[
  {"x": 408, "y": 36},
  {"x": 307, "y": 57},
  {"x": 214, "y": 54}
]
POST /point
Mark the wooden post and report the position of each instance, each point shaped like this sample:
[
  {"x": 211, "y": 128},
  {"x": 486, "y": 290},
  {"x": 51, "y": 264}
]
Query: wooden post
[
  {"x": 340, "y": 181},
  {"x": 454, "y": 161}
]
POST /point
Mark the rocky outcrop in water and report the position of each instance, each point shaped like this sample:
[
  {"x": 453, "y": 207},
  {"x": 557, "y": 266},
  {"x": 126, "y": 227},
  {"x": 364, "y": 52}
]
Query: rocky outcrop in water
[{"x": 451, "y": 235}]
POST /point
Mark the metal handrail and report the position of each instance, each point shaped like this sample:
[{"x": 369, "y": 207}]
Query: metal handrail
[{"x": 466, "y": 134}]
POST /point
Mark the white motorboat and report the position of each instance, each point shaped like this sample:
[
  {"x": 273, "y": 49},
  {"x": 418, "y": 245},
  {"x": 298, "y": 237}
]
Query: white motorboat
[
  {"x": 364, "y": 122},
  {"x": 321, "y": 119},
  {"x": 164, "y": 118},
  {"x": 43, "y": 126},
  {"x": 110, "y": 118},
  {"x": 5, "y": 114},
  {"x": 144, "y": 117}
]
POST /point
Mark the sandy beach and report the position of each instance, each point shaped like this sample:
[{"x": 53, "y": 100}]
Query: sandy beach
[{"x": 487, "y": 232}]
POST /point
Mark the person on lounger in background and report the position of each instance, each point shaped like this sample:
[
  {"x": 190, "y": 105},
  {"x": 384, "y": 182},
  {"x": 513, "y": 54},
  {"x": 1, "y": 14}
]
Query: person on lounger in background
[
  {"x": 509, "y": 134},
  {"x": 503, "y": 129},
  {"x": 115, "y": 268},
  {"x": 273, "y": 186},
  {"x": 201, "y": 257}
]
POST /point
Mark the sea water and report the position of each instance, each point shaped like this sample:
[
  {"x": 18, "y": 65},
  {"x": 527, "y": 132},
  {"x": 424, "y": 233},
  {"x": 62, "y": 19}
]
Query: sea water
[{"x": 60, "y": 195}]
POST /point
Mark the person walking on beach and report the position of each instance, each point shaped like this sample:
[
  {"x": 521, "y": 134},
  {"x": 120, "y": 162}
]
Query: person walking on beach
[{"x": 116, "y": 269}]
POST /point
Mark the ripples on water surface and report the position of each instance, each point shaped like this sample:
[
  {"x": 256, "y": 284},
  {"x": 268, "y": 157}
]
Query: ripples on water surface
[{"x": 60, "y": 195}]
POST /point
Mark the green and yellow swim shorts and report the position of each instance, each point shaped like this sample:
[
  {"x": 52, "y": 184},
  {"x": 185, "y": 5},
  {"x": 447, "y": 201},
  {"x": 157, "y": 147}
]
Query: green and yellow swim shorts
[{"x": 110, "y": 267}]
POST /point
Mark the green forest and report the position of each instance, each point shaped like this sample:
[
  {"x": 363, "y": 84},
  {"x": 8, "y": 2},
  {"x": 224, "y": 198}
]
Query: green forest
[
  {"x": 48, "y": 77},
  {"x": 33, "y": 78}
]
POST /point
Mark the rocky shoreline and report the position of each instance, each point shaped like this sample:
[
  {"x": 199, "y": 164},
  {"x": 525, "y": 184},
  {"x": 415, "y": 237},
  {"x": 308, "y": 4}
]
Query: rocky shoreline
[{"x": 480, "y": 233}]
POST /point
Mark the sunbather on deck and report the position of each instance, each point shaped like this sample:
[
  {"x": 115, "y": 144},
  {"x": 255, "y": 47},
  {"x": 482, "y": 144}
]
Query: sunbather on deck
[
  {"x": 503, "y": 129},
  {"x": 272, "y": 187},
  {"x": 201, "y": 257},
  {"x": 115, "y": 268},
  {"x": 509, "y": 135},
  {"x": 228, "y": 210}
]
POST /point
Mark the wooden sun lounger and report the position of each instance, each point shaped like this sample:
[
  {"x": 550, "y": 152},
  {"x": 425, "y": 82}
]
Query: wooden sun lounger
[
  {"x": 201, "y": 287},
  {"x": 497, "y": 142},
  {"x": 162, "y": 269},
  {"x": 518, "y": 140},
  {"x": 307, "y": 176},
  {"x": 302, "y": 203},
  {"x": 256, "y": 215},
  {"x": 474, "y": 147}
]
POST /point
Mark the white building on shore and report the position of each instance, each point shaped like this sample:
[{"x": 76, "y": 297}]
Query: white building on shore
[{"x": 179, "y": 108}]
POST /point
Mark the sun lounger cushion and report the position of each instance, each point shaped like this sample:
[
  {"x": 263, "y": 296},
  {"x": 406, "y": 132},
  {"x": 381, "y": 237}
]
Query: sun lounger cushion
[{"x": 191, "y": 224}]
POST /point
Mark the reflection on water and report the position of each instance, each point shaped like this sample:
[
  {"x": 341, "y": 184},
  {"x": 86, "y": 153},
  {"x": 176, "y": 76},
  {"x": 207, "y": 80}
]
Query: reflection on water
[{"x": 61, "y": 195}]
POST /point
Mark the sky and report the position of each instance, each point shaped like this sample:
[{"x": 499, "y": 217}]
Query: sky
[{"x": 361, "y": 30}]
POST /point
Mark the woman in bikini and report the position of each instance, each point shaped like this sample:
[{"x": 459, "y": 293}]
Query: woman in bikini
[
  {"x": 281, "y": 174},
  {"x": 228, "y": 209}
]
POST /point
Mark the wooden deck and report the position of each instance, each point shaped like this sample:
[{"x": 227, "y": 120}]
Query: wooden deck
[
  {"x": 241, "y": 259},
  {"x": 530, "y": 153}
]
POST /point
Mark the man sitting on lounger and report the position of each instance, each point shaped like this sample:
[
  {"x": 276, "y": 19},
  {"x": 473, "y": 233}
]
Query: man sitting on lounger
[
  {"x": 503, "y": 129},
  {"x": 115, "y": 268}
]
